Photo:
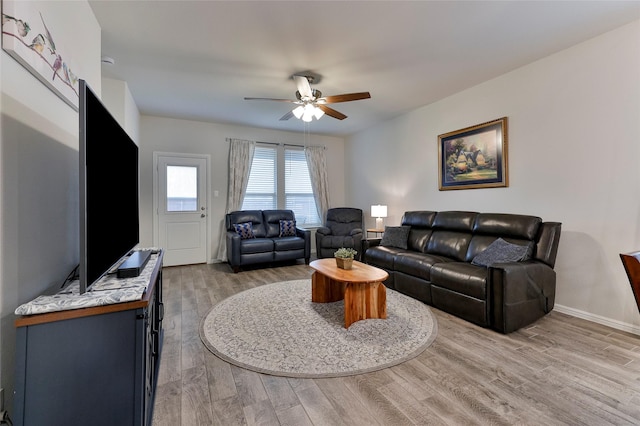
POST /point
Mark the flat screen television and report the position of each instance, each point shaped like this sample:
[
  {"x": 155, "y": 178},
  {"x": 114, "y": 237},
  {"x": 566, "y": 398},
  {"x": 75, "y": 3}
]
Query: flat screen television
[{"x": 109, "y": 222}]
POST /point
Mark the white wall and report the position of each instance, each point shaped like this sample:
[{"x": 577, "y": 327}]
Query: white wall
[
  {"x": 118, "y": 99},
  {"x": 574, "y": 147},
  {"x": 194, "y": 137},
  {"x": 39, "y": 173}
]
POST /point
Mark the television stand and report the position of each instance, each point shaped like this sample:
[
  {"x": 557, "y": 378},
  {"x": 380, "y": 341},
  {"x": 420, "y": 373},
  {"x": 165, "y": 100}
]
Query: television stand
[
  {"x": 93, "y": 366},
  {"x": 134, "y": 265}
]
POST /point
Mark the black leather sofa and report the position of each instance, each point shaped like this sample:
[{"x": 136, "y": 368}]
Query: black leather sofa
[
  {"x": 266, "y": 245},
  {"x": 436, "y": 265}
]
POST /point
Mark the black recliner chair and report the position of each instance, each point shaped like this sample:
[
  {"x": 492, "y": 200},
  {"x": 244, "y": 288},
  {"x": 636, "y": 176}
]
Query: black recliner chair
[{"x": 343, "y": 228}]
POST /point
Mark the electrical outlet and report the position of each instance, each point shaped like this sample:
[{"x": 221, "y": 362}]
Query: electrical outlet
[{"x": 1, "y": 400}]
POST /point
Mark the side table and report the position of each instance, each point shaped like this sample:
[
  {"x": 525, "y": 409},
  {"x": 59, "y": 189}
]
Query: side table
[{"x": 375, "y": 231}]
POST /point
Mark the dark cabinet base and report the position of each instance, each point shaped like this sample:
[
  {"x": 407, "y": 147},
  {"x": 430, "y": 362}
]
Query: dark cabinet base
[{"x": 94, "y": 367}]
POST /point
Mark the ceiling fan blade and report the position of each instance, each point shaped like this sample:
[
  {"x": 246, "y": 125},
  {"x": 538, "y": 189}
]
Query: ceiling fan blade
[
  {"x": 303, "y": 86},
  {"x": 346, "y": 97},
  {"x": 331, "y": 112},
  {"x": 286, "y": 116},
  {"x": 270, "y": 99}
]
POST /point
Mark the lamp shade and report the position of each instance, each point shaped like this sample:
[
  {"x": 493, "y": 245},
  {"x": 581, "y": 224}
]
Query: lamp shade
[{"x": 378, "y": 211}]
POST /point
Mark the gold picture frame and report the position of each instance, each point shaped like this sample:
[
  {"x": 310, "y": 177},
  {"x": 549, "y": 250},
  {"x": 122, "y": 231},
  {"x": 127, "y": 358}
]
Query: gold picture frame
[{"x": 474, "y": 157}]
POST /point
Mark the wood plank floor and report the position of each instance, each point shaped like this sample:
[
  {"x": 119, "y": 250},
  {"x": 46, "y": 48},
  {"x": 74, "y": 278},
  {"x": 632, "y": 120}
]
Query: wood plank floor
[{"x": 561, "y": 370}]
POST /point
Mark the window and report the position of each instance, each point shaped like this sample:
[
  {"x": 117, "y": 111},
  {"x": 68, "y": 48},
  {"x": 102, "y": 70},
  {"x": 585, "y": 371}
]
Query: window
[
  {"x": 284, "y": 187},
  {"x": 182, "y": 188},
  {"x": 261, "y": 189}
]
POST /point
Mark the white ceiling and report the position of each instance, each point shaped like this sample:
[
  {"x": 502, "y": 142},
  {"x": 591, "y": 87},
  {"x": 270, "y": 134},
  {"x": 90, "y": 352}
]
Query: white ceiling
[{"x": 198, "y": 59}]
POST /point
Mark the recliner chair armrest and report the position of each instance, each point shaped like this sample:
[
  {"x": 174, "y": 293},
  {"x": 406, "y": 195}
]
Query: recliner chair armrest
[
  {"x": 323, "y": 230},
  {"x": 355, "y": 231},
  {"x": 521, "y": 293}
]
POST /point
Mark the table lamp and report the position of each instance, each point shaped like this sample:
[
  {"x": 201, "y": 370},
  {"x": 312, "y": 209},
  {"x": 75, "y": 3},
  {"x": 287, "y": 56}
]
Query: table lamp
[{"x": 379, "y": 212}]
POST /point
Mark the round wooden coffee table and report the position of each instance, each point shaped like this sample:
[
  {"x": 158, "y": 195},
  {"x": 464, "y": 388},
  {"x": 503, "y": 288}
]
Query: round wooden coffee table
[{"x": 361, "y": 288}]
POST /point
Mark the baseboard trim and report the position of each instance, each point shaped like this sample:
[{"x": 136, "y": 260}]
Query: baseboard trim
[{"x": 618, "y": 325}]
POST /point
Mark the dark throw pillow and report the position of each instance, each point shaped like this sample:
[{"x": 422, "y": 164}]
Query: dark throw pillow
[
  {"x": 287, "y": 228},
  {"x": 244, "y": 230},
  {"x": 501, "y": 251},
  {"x": 395, "y": 236}
]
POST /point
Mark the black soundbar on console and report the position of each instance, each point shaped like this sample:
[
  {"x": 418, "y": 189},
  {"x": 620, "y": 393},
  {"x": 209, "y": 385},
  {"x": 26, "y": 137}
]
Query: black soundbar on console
[{"x": 134, "y": 265}]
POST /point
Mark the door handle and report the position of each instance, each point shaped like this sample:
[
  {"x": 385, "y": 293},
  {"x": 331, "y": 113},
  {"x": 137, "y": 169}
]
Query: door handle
[{"x": 202, "y": 215}]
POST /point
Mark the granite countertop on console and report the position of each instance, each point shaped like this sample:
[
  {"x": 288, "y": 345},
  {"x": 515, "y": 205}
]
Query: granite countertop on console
[{"x": 107, "y": 291}]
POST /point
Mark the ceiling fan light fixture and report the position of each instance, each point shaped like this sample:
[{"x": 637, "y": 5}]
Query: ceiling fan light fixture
[
  {"x": 309, "y": 112},
  {"x": 298, "y": 111},
  {"x": 308, "y": 115},
  {"x": 309, "y": 100}
]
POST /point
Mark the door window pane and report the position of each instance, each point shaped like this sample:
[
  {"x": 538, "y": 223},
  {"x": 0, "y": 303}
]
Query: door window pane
[{"x": 182, "y": 188}]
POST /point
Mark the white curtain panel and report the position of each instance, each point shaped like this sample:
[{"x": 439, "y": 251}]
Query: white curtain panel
[
  {"x": 317, "y": 162},
  {"x": 240, "y": 159}
]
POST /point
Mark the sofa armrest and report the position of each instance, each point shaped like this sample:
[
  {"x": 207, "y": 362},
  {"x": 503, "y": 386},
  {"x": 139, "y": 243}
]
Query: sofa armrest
[
  {"x": 306, "y": 235},
  {"x": 355, "y": 231},
  {"x": 323, "y": 230},
  {"x": 366, "y": 244},
  {"x": 233, "y": 248},
  {"x": 521, "y": 293},
  {"x": 370, "y": 242}
]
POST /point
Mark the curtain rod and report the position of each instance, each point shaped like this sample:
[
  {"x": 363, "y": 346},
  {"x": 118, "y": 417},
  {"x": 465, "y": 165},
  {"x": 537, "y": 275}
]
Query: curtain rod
[{"x": 284, "y": 144}]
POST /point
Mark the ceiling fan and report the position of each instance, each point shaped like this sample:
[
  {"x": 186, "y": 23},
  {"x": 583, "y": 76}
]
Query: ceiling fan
[{"x": 310, "y": 101}]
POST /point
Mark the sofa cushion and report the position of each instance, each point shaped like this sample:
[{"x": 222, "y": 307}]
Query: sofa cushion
[
  {"x": 334, "y": 242},
  {"x": 507, "y": 225},
  {"x": 502, "y": 251},
  {"x": 418, "y": 264},
  {"x": 418, "y": 219},
  {"x": 461, "y": 277},
  {"x": 343, "y": 220},
  {"x": 418, "y": 239},
  {"x": 395, "y": 236},
  {"x": 272, "y": 220},
  {"x": 449, "y": 244},
  {"x": 288, "y": 243},
  {"x": 287, "y": 228},
  {"x": 256, "y": 245},
  {"x": 382, "y": 257},
  {"x": 244, "y": 230},
  {"x": 455, "y": 221},
  {"x": 243, "y": 216}
]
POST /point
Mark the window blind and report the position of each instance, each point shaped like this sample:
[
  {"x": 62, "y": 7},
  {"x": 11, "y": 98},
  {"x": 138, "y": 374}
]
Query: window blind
[
  {"x": 261, "y": 189},
  {"x": 265, "y": 191},
  {"x": 298, "y": 190}
]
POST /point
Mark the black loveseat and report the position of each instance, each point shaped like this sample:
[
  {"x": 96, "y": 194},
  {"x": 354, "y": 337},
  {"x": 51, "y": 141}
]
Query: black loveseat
[
  {"x": 436, "y": 264},
  {"x": 272, "y": 236}
]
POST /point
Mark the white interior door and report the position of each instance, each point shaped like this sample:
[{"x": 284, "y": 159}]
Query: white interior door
[{"x": 182, "y": 208}]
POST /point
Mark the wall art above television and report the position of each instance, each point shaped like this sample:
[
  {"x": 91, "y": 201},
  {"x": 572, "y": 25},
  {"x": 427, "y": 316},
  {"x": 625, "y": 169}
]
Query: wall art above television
[
  {"x": 474, "y": 157},
  {"x": 30, "y": 40}
]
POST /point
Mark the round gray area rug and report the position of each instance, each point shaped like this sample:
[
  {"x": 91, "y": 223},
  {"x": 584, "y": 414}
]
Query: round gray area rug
[{"x": 276, "y": 329}]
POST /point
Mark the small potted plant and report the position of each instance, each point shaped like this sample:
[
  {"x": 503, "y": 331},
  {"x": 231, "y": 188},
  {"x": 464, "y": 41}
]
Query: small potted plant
[{"x": 344, "y": 257}]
